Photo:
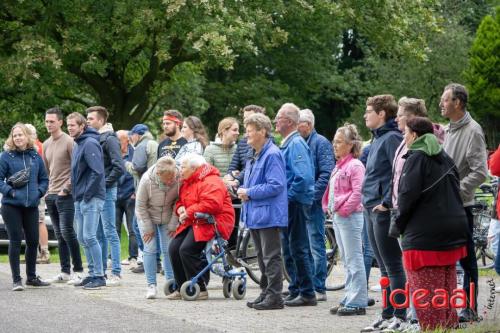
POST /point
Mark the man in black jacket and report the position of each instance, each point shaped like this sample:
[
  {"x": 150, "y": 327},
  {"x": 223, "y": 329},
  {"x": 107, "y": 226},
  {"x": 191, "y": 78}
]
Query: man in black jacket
[{"x": 97, "y": 117}]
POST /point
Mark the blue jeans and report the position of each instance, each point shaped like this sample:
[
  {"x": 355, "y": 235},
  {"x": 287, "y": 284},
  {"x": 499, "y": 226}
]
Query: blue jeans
[
  {"x": 108, "y": 217},
  {"x": 367, "y": 251},
  {"x": 150, "y": 254},
  {"x": 316, "y": 232},
  {"x": 497, "y": 261},
  {"x": 140, "y": 243},
  {"x": 87, "y": 220},
  {"x": 348, "y": 231},
  {"x": 297, "y": 252}
]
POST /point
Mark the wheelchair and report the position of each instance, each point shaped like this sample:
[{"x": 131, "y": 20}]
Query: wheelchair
[{"x": 234, "y": 281}]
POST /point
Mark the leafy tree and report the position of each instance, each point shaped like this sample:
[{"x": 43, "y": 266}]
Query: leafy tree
[
  {"x": 137, "y": 58},
  {"x": 483, "y": 77}
]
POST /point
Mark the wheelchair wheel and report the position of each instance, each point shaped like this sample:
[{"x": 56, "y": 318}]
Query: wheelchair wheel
[
  {"x": 239, "y": 289},
  {"x": 226, "y": 287},
  {"x": 169, "y": 287},
  {"x": 190, "y": 292}
]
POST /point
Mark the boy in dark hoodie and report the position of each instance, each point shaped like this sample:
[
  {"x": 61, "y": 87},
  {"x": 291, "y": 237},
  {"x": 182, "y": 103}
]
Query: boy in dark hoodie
[
  {"x": 97, "y": 117},
  {"x": 89, "y": 190},
  {"x": 379, "y": 118}
]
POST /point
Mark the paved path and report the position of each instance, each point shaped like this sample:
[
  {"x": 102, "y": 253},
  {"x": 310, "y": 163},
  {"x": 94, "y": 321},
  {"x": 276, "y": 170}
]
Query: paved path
[{"x": 62, "y": 308}]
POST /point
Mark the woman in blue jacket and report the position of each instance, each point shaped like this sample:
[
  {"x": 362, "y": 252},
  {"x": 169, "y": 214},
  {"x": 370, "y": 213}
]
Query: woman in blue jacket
[
  {"x": 20, "y": 202},
  {"x": 265, "y": 208}
]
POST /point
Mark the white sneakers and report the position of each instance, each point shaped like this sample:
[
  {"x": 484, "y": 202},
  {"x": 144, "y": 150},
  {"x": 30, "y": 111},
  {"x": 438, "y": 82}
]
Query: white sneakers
[
  {"x": 75, "y": 279},
  {"x": 151, "y": 292},
  {"x": 60, "y": 278},
  {"x": 113, "y": 281}
]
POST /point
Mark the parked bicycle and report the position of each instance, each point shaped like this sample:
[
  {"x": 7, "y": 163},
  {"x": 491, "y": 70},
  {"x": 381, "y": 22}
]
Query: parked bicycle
[
  {"x": 244, "y": 255},
  {"x": 482, "y": 211}
]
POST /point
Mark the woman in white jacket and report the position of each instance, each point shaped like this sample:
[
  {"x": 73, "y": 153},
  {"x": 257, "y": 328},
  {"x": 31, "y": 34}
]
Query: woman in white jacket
[{"x": 155, "y": 201}]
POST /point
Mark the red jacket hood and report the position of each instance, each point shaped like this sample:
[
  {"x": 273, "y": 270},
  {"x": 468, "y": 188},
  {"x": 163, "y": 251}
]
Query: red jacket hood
[{"x": 202, "y": 172}]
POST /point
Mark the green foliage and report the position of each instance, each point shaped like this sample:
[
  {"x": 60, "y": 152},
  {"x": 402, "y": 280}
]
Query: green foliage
[
  {"x": 483, "y": 76},
  {"x": 210, "y": 58}
]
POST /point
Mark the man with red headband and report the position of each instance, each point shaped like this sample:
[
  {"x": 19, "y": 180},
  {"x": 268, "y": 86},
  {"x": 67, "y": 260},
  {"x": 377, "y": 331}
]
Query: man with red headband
[{"x": 172, "y": 124}]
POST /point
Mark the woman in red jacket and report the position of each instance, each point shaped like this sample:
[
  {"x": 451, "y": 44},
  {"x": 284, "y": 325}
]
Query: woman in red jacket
[
  {"x": 494, "y": 164},
  {"x": 203, "y": 191}
]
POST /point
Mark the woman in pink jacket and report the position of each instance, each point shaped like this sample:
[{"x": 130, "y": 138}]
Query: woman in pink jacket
[{"x": 342, "y": 200}]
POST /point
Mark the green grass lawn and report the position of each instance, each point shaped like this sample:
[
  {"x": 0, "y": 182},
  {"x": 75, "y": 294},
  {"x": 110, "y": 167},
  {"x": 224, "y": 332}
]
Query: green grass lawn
[{"x": 54, "y": 254}]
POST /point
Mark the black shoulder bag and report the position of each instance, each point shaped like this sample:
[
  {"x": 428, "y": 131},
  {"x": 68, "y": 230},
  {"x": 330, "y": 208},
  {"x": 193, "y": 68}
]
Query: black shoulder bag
[{"x": 20, "y": 178}]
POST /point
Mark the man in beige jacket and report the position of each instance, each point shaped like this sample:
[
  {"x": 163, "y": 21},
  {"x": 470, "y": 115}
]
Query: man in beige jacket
[
  {"x": 155, "y": 201},
  {"x": 465, "y": 143}
]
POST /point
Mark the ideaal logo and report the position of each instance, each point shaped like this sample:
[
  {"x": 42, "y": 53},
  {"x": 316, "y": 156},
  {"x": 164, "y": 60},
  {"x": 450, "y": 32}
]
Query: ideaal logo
[{"x": 441, "y": 299}]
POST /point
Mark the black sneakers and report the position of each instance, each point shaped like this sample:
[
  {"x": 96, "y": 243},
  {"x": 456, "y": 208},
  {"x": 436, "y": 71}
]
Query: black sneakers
[
  {"x": 270, "y": 303},
  {"x": 37, "y": 282},
  {"x": 350, "y": 311},
  {"x": 18, "y": 286},
  {"x": 96, "y": 283},
  {"x": 83, "y": 282},
  {"x": 259, "y": 299}
]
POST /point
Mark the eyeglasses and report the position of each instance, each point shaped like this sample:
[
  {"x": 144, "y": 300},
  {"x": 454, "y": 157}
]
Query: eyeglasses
[{"x": 279, "y": 118}]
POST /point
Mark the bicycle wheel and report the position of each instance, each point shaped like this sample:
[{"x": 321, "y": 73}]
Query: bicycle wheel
[
  {"x": 332, "y": 252},
  {"x": 248, "y": 254}
]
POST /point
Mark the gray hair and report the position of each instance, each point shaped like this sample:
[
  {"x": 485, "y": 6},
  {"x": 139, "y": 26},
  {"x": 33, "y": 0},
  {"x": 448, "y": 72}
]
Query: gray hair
[
  {"x": 291, "y": 111},
  {"x": 193, "y": 160},
  {"x": 459, "y": 92},
  {"x": 260, "y": 121},
  {"x": 166, "y": 164},
  {"x": 120, "y": 133},
  {"x": 351, "y": 135},
  {"x": 307, "y": 116}
]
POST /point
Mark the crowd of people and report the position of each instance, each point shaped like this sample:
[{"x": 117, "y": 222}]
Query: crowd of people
[{"x": 404, "y": 198}]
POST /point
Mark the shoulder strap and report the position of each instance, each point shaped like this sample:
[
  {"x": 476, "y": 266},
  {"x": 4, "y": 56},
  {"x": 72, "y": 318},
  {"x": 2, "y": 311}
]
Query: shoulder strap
[{"x": 440, "y": 178}]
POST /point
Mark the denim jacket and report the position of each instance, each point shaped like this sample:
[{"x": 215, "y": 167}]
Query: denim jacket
[{"x": 349, "y": 174}]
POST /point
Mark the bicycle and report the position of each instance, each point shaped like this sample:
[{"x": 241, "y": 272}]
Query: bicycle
[
  {"x": 245, "y": 254},
  {"x": 482, "y": 212}
]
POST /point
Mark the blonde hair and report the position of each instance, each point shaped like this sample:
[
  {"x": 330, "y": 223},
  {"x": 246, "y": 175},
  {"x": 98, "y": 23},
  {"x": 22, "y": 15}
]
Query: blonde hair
[
  {"x": 166, "y": 164},
  {"x": 351, "y": 135},
  {"x": 225, "y": 124},
  {"x": 9, "y": 143},
  {"x": 413, "y": 106}
]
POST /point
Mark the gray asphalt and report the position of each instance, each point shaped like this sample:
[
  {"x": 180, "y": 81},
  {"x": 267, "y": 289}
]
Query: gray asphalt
[{"x": 62, "y": 308}]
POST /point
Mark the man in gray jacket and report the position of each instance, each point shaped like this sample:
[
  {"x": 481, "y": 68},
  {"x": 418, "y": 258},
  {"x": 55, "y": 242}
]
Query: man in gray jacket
[
  {"x": 465, "y": 143},
  {"x": 145, "y": 155}
]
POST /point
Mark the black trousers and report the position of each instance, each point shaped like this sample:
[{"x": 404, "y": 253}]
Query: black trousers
[
  {"x": 127, "y": 207},
  {"x": 268, "y": 246},
  {"x": 389, "y": 257},
  {"x": 62, "y": 214},
  {"x": 18, "y": 219},
  {"x": 469, "y": 263},
  {"x": 188, "y": 259}
]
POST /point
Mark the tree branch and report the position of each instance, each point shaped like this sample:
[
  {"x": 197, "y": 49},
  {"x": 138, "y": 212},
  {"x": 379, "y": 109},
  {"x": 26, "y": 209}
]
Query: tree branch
[{"x": 75, "y": 99}]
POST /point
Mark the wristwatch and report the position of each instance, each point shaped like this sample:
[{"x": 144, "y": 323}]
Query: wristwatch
[{"x": 65, "y": 191}]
